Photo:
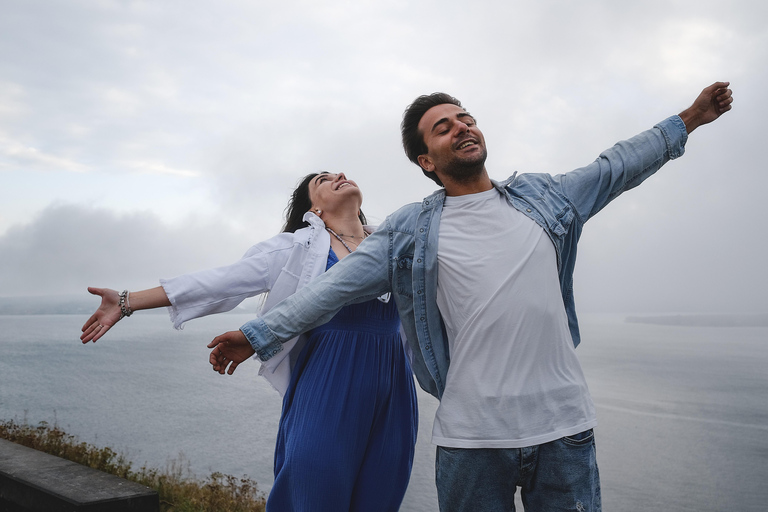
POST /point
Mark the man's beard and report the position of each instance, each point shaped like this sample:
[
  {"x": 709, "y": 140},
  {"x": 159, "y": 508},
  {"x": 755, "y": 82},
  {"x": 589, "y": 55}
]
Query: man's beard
[{"x": 466, "y": 170}]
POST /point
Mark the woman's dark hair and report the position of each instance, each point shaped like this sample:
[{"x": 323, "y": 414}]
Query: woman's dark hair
[
  {"x": 413, "y": 140},
  {"x": 300, "y": 203}
]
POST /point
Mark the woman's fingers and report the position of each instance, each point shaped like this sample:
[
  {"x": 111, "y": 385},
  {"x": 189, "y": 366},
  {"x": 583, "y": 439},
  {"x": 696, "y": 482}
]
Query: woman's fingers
[
  {"x": 89, "y": 322},
  {"x": 88, "y": 330},
  {"x": 100, "y": 331},
  {"x": 94, "y": 332}
]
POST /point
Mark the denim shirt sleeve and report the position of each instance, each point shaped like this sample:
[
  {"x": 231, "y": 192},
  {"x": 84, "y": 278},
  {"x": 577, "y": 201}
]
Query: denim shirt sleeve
[
  {"x": 622, "y": 167},
  {"x": 362, "y": 275}
]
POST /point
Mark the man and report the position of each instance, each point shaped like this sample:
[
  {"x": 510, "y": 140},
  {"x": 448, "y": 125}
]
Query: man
[{"x": 482, "y": 275}]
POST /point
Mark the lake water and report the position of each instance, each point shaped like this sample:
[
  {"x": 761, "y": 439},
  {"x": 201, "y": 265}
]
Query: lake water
[{"x": 682, "y": 411}]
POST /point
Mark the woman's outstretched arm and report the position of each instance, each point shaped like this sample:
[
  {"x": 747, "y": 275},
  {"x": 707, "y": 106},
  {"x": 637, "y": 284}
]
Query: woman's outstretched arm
[{"x": 110, "y": 312}]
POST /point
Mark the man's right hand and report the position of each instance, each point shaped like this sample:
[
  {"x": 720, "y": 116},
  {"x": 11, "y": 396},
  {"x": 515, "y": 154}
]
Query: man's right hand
[{"x": 229, "y": 349}]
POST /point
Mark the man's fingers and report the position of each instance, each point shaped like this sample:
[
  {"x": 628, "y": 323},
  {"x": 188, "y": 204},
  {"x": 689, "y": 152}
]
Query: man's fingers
[
  {"x": 221, "y": 357},
  {"x": 221, "y": 338},
  {"x": 213, "y": 358},
  {"x": 218, "y": 360},
  {"x": 718, "y": 85},
  {"x": 724, "y": 100}
]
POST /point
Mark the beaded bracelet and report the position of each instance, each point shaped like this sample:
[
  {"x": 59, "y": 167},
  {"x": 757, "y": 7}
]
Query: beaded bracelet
[{"x": 125, "y": 308}]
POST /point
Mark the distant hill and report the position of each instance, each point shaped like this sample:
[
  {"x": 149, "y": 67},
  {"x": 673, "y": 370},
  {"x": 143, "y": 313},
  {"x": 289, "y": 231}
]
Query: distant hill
[
  {"x": 83, "y": 304},
  {"x": 703, "y": 320},
  {"x": 49, "y": 305}
]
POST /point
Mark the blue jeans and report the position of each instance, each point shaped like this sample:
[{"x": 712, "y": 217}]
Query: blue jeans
[{"x": 555, "y": 476}]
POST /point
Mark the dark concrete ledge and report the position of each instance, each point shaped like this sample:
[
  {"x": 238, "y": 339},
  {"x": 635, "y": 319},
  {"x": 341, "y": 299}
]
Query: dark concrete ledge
[{"x": 31, "y": 480}]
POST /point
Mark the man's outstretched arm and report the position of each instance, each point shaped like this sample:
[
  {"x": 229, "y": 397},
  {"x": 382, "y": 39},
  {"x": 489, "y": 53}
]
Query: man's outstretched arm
[
  {"x": 628, "y": 163},
  {"x": 361, "y": 275},
  {"x": 713, "y": 102}
]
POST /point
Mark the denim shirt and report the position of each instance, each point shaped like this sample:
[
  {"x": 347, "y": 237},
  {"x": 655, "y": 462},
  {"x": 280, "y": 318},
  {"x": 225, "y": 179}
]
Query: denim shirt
[{"x": 401, "y": 257}]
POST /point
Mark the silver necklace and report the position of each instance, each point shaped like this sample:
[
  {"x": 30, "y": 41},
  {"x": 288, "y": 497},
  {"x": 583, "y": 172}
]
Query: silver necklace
[{"x": 342, "y": 241}]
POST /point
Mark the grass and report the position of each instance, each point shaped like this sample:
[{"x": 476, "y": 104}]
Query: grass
[{"x": 179, "y": 491}]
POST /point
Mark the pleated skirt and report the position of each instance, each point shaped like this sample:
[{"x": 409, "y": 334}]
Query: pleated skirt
[{"x": 349, "y": 421}]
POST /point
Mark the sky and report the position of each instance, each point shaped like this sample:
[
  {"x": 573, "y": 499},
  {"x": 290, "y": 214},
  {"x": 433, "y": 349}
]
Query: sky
[{"x": 141, "y": 140}]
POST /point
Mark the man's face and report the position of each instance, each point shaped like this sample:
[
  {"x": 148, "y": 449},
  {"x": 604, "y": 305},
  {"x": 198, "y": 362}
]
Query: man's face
[{"x": 455, "y": 145}]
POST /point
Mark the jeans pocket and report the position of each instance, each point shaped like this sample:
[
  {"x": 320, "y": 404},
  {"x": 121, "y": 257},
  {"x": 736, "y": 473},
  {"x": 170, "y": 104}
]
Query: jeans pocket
[{"x": 580, "y": 439}]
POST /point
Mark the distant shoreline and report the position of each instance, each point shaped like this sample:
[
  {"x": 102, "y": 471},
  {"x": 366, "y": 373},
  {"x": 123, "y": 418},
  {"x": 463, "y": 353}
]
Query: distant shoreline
[
  {"x": 702, "y": 320},
  {"x": 80, "y": 304},
  {"x": 84, "y": 304}
]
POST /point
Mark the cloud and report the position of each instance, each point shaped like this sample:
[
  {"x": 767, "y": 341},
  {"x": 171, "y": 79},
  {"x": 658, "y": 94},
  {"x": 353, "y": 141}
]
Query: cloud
[
  {"x": 160, "y": 168},
  {"x": 14, "y": 154},
  {"x": 206, "y": 114},
  {"x": 67, "y": 248}
]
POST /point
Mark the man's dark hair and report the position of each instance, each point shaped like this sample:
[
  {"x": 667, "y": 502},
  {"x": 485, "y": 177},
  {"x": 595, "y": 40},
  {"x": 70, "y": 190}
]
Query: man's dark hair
[
  {"x": 300, "y": 203},
  {"x": 413, "y": 140}
]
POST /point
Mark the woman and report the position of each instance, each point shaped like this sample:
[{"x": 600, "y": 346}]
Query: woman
[{"x": 348, "y": 425}]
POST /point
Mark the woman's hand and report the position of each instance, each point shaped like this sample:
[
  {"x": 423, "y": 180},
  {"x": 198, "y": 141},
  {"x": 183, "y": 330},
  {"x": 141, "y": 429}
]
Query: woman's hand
[
  {"x": 231, "y": 348},
  {"x": 105, "y": 317}
]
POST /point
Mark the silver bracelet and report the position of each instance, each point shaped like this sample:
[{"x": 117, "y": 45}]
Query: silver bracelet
[{"x": 125, "y": 308}]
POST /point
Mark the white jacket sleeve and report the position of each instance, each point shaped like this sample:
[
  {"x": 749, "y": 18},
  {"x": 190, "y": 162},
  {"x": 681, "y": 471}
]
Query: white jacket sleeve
[{"x": 221, "y": 289}]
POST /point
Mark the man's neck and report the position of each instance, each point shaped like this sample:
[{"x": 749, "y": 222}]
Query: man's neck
[{"x": 480, "y": 184}]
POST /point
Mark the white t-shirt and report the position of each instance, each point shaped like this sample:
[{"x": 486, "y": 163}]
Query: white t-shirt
[{"x": 514, "y": 379}]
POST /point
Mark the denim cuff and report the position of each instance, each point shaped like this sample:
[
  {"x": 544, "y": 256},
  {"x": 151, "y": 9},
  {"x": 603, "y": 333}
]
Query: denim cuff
[
  {"x": 675, "y": 135},
  {"x": 262, "y": 339}
]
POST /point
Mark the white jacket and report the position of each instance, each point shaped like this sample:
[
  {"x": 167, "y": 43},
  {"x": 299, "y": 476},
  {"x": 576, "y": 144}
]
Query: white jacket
[{"x": 280, "y": 266}]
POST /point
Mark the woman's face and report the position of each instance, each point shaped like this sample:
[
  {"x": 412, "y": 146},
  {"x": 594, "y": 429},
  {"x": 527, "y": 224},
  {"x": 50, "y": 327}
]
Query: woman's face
[{"x": 331, "y": 192}]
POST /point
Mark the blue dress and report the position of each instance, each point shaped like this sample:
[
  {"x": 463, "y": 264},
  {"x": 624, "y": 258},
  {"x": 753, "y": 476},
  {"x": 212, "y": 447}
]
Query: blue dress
[{"x": 349, "y": 421}]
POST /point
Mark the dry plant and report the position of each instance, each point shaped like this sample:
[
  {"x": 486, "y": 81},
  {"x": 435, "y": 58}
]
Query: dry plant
[{"x": 178, "y": 489}]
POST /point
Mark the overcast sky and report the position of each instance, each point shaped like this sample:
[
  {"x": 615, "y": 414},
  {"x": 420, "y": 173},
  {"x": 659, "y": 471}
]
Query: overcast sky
[{"x": 141, "y": 140}]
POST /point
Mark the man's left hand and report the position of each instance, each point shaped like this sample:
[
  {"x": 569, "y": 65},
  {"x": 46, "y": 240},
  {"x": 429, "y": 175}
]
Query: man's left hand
[{"x": 713, "y": 102}]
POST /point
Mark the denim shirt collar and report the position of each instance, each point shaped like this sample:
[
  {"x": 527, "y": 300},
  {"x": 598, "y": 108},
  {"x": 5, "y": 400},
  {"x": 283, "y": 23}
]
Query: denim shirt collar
[
  {"x": 435, "y": 198},
  {"x": 438, "y": 196},
  {"x": 501, "y": 185}
]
